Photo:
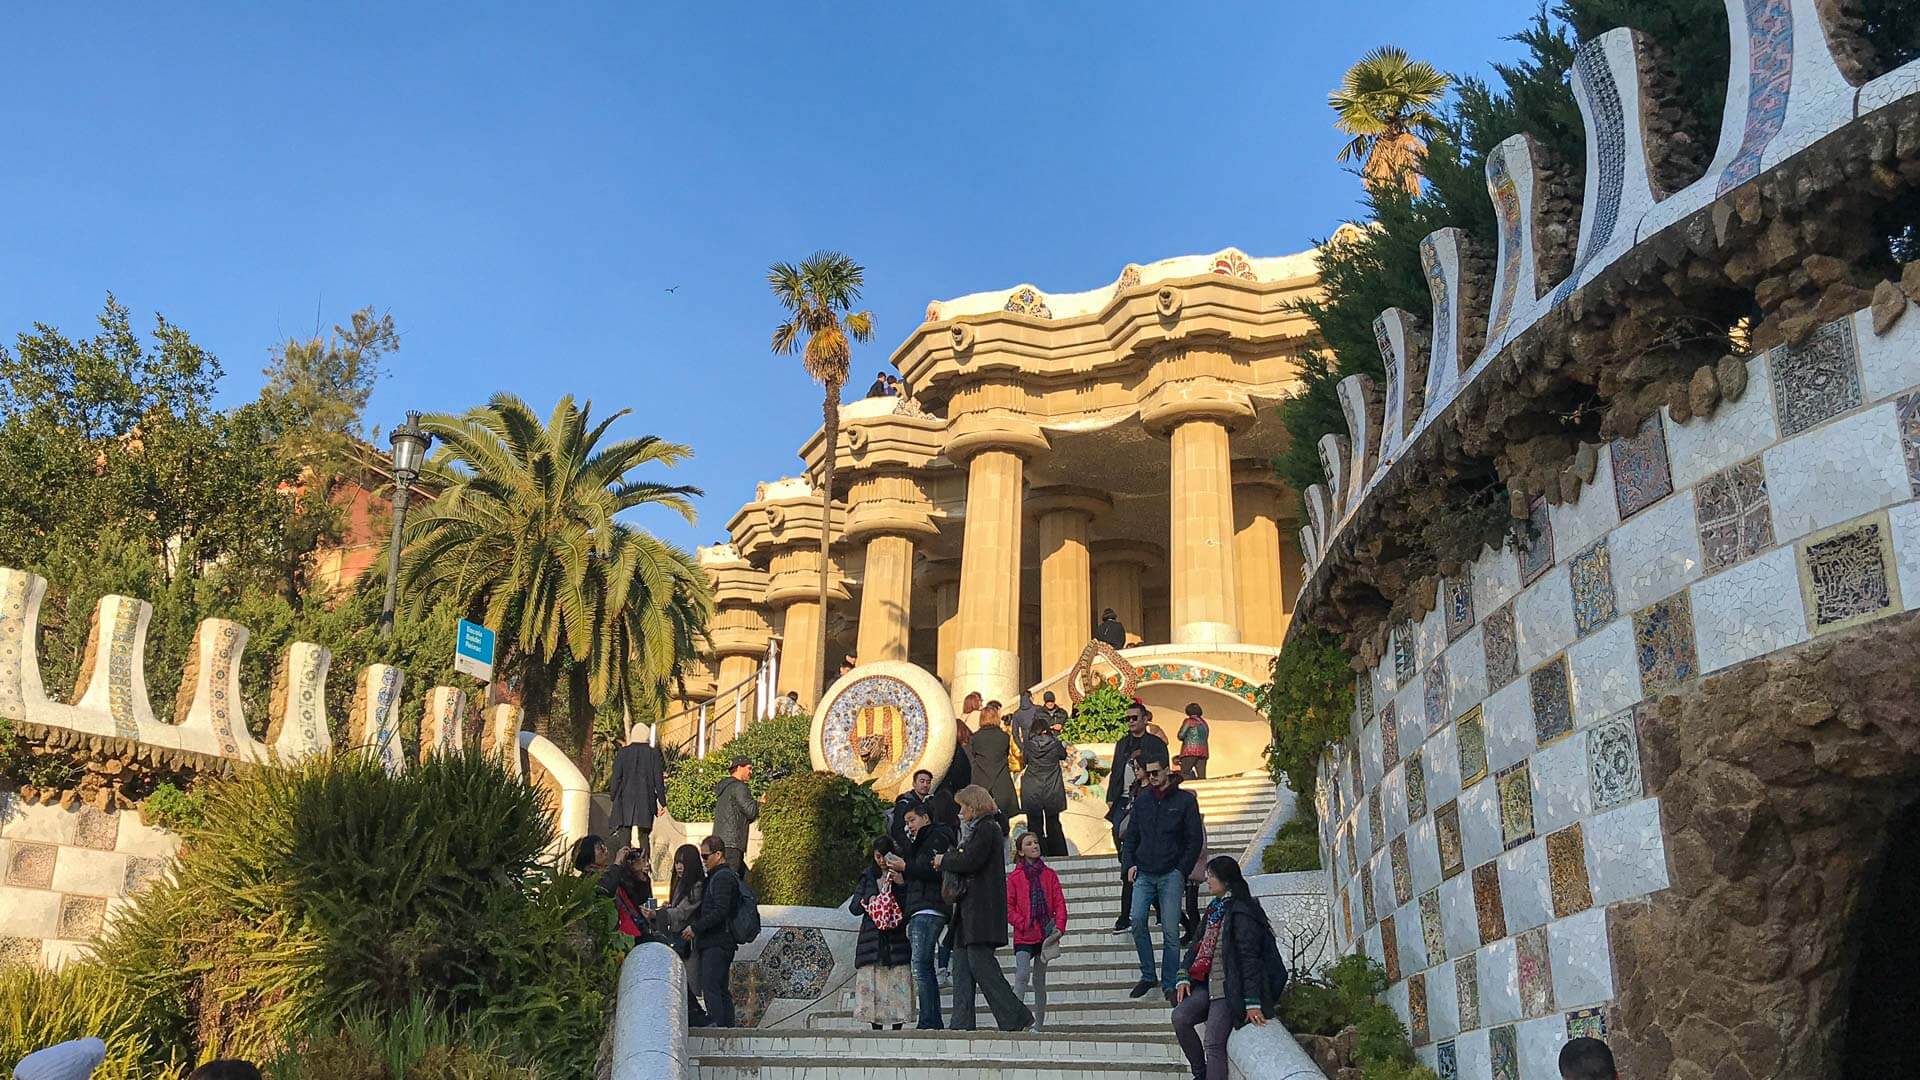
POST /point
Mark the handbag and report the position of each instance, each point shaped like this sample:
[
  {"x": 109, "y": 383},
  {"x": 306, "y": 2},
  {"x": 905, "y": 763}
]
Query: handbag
[
  {"x": 884, "y": 909},
  {"x": 953, "y": 887}
]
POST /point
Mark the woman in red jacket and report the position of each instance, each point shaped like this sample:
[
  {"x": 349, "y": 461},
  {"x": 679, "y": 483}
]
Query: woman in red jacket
[{"x": 1037, "y": 910}]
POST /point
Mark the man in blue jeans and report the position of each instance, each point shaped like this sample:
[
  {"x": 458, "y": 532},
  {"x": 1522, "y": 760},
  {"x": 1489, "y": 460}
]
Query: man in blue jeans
[
  {"x": 1160, "y": 847},
  {"x": 920, "y": 902}
]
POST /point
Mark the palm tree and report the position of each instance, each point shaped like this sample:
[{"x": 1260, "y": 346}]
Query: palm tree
[
  {"x": 1386, "y": 103},
  {"x": 523, "y": 538},
  {"x": 818, "y": 295}
]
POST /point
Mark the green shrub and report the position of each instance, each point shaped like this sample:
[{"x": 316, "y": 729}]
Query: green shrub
[
  {"x": 168, "y": 807},
  {"x": 414, "y": 1044},
  {"x": 39, "y": 1008},
  {"x": 334, "y": 888},
  {"x": 1308, "y": 702},
  {"x": 1343, "y": 995},
  {"x": 1101, "y": 717},
  {"x": 815, "y": 828},
  {"x": 1296, "y": 846},
  {"x": 777, "y": 747}
]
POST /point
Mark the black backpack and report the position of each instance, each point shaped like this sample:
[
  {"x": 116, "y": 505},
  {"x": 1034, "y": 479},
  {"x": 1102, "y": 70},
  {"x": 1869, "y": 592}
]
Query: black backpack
[{"x": 745, "y": 920}]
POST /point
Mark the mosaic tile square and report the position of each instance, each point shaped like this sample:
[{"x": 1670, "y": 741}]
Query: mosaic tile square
[
  {"x": 1536, "y": 974},
  {"x": 1589, "y": 1023},
  {"x": 1847, "y": 575},
  {"x": 1417, "y": 1010},
  {"x": 1389, "y": 739},
  {"x": 1446, "y": 1061},
  {"x": 1502, "y": 646},
  {"x": 1434, "y": 694},
  {"x": 1466, "y": 984},
  {"x": 1376, "y": 821},
  {"x": 1363, "y": 697},
  {"x": 1416, "y": 788},
  {"x": 1516, "y": 805},
  {"x": 1433, "y": 933},
  {"x": 1471, "y": 733},
  {"x": 30, "y": 866},
  {"x": 1446, "y": 827},
  {"x": 1641, "y": 476},
  {"x": 1591, "y": 574},
  {"x": 1488, "y": 907},
  {"x": 1817, "y": 380},
  {"x": 1567, "y": 871},
  {"x": 1403, "y": 663},
  {"x": 95, "y": 828},
  {"x": 1551, "y": 696},
  {"x": 1402, "y": 870},
  {"x": 1536, "y": 554},
  {"x": 1613, "y": 761},
  {"x": 1663, "y": 642},
  {"x": 1390, "y": 946},
  {"x": 1906, "y": 413},
  {"x": 1366, "y": 893},
  {"x": 19, "y": 950},
  {"x": 1359, "y": 779},
  {"x": 1353, "y": 852},
  {"x": 1503, "y": 1050},
  {"x": 1346, "y": 912},
  {"x": 81, "y": 917},
  {"x": 1736, "y": 521},
  {"x": 1458, "y": 595},
  {"x": 143, "y": 870}
]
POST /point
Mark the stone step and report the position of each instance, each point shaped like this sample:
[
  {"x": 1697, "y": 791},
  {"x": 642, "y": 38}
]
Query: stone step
[
  {"x": 1147, "y": 1014},
  {"x": 1012, "y": 1066},
  {"x": 955, "y": 1047}
]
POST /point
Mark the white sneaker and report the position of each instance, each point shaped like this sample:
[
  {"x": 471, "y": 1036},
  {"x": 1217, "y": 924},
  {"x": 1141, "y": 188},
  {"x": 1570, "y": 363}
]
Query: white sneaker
[{"x": 946, "y": 977}]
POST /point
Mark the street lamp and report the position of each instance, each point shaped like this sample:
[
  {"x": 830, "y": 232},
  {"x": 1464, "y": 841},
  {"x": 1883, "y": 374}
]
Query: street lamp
[{"x": 410, "y": 444}]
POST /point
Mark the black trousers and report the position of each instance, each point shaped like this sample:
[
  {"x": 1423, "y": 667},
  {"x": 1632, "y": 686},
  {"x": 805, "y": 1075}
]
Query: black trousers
[
  {"x": 1045, "y": 825},
  {"x": 977, "y": 965},
  {"x": 737, "y": 858},
  {"x": 716, "y": 965},
  {"x": 1116, "y": 814}
]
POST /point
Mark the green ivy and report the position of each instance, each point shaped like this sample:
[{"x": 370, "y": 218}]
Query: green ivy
[
  {"x": 1346, "y": 994},
  {"x": 815, "y": 828},
  {"x": 1308, "y": 702},
  {"x": 1101, "y": 717}
]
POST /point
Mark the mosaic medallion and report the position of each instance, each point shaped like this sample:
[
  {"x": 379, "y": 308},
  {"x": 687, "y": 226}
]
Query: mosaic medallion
[
  {"x": 1471, "y": 733},
  {"x": 1536, "y": 554},
  {"x": 1847, "y": 575},
  {"x": 1466, "y": 985},
  {"x": 1026, "y": 300},
  {"x": 1567, "y": 871},
  {"x": 797, "y": 962},
  {"x": 1552, "y": 700},
  {"x": 1503, "y": 1050},
  {"x": 1446, "y": 1061},
  {"x": 95, "y": 828},
  {"x": 1389, "y": 739},
  {"x": 1516, "y": 805},
  {"x": 1906, "y": 413},
  {"x": 1434, "y": 693},
  {"x": 1417, "y": 1010},
  {"x": 1390, "y": 946},
  {"x": 1416, "y": 788},
  {"x": 1817, "y": 380},
  {"x": 30, "y": 866},
  {"x": 1366, "y": 893},
  {"x": 1613, "y": 761},
  {"x": 1591, "y": 575},
  {"x": 875, "y": 729},
  {"x": 81, "y": 917},
  {"x": 1641, "y": 476},
  {"x": 1536, "y": 974},
  {"x": 1663, "y": 642},
  {"x": 1459, "y": 605},
  {"x": 1735, "y": 520},
  {"x": 1402, "y": 870},
  {"x": 1588, "y": 1023},
  {"x": 1446, "y": 828},
  {"x": 1488, "y": 908},
  {"x": 1433, "y": 932},
  {"x": 1376, "y": 822},
  {"x": 1498, "y": 640}
]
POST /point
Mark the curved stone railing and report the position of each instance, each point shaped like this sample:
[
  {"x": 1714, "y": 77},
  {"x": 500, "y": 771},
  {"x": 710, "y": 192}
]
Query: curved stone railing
[
  {"x": 650, "y": 1017},
  {"x": 1789, "y": 87}
]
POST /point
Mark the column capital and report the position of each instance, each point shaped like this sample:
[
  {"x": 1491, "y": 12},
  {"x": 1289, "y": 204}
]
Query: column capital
[
  {"x": 888, "y": 517},
  {"x": 978, "y": 432},
  {"x": 1137, "y": 552},
  {"x": 1065, "y": 498},
  {"x": 1201, "y": 398}
]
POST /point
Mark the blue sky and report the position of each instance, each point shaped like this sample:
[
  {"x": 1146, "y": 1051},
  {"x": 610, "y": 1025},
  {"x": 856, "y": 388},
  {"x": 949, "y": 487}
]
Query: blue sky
[{"x": 521, "y": 187}]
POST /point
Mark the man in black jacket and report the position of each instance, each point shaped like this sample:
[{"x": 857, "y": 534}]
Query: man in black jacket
[
  {"x": 734, "y": 809},
  {"x": 1109, "y": 630},
  {"x": 915, "y": 796},
  {"x": 920, "y": 902},
  {"x": 639, "y": 791},
  {"x": 1161, "y": 845},
  {"x": 1122, "y": 784},
  {"x": 711, "y": 932}
]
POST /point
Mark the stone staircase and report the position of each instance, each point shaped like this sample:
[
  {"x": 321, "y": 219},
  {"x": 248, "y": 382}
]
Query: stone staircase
[{"x": 1093, "y": 1030}]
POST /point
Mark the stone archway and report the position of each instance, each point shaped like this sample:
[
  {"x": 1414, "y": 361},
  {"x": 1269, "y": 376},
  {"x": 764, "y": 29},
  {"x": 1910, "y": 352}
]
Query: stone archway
[
  {"x": 1781, "y": 784},
  {"x": 1884, "y": 996}
]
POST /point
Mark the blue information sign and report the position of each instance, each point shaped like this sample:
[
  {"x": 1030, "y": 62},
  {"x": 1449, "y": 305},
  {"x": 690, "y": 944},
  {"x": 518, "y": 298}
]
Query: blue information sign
[{"x": 473, "y": 650}]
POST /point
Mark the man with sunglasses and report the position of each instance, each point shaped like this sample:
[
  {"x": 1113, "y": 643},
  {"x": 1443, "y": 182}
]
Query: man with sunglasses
[
  {"x": 1163, "y": 840},
  {"x": 1122, "y": 785}
]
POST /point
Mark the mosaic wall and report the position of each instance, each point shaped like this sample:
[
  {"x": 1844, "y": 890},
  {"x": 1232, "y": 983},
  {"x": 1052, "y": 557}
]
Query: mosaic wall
[
  {"x": 1487, "y": 812},
  {"x": 63, "y": 872}
]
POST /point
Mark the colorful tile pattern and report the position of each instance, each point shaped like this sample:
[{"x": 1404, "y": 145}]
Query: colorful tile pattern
[
  {"x": 1502, "y": 646},
  {"x": 31, "y": 865},
  {"x": 95, "y": 828},
  {"x": 1591, "y": 574},
  {"x": 1607, "y": 118},
  {"x": 1446, "y": 1061},
  {"x": 1506, "y": 205},
  {"x": 1847, "y": 576},
  {"x": 1613, "y": 762},
  {"x": 1026, "y": 300},
  {"x": 1402, "y": 870},
  {"x": 797, "y": 962},
  {"x": 1567, "y": 871},
  {"x": 1231, "y": 263},
  {"x": 1516, "y": 804},
  {"x": 1389, "y": 738},
  {"x": 1403, "y": 664},
  {"x": 1195, "y": 675},
  {"x": 1552, "y": 698},
  {"x": 1906, "y": 412},
  {"x": 1641, "y": 474},
  {"x": 839, "y": 729},
  {"x": 1589, "y": 1023},
  {"x": 1503, "y": 1050},
  {"x": 1440, "y": 296},
  {"x": 81, "y": 917},
  {"x": 1363, "y": 697},
  {"x": 1416, "y": 788},
  {"x": 1446, "y": 828},
  {"x": 1434, "y": 694},
  {"x": 1366, "y": 893},
  {"x": 1466, "y": 983},
  {"x": 1769, "y": 85},
  {"x": 1817, "y": 380},
  {"x": 1353, "y": 850},
  {"x": 1433, "y": 932},
  {"x": 143, "y": 870},
  {"x": 1417, "y": 1010},
  {"x": 1735, "y": 519},
  {"x": 219, "y": 679},
  {"x": 120, "y": 660},
  {"x": 1471, "y": 733},
  {"x": 1489, "y": 910},
  {"x": 1459, "y": 605},
  {"x": 1536, "y": 554},
  {"x": 1535, "y": 971},
  {"x": 1663, "y": 642},
  {"x": 1390, "y": 945},
  {"x": 1377, "y": 825}
]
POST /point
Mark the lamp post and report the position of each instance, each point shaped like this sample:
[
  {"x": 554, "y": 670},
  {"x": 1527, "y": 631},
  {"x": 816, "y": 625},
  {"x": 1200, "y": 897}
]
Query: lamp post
[{"x": 410, "y": 444}]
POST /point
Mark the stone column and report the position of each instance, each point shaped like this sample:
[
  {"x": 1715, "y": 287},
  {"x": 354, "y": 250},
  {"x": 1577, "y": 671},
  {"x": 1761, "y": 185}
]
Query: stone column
[
  {"x": 944, "y": 579},
  {"x": 793, "y": 583},
  {"x": 887, "y": 511},
  {"x": 1198, "y": 414},
  {"x": 1119, "y": 582},
  {"x": 1064, "y": 516},
  {"x": 994, "y": 450},
  {"x": 1259, "y": 522}
]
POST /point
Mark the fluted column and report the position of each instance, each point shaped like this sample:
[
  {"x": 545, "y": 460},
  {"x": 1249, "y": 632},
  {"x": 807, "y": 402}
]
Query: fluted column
[
  {"x": 1119, "y": 582},
  {"x": 888, "y": 512},
  {"x": 1205, "y": 594},
  {"x": 1064, "y": 517},
  {"x": 986, "y": 653},
  {"x": 793, "y": 583},
  {"x": 1259, "y": 501},
  {"x": 944, "y": 579}
]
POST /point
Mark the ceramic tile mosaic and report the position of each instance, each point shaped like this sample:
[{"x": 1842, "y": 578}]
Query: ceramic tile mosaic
[
  {"x": 1500, "y": 643},
  {"x": 1390, "y": 949},
  {"x": 1516, "y": 805},
  {"x": 1376, "y": 820},
  {"x": 1906, "y": 414},
  {"x": 1551, "y": 697},
  {"x": 797, "y": 963},
  {"x": 1363, "y": 698},
  {"x": 1613, "y": 761},
  {"x": 1466, "y": 985},
  {"x": 1590, "y": 1023},
  {"x": 143, "y": 870},
  {"x": 751, "y": 995},
  {"x": 1446, "y": 1061},
  {"x": 1402, "y": 870},
  {"x": 1359, "y": 780},
  {"x": 1536, "y": 972},
  {"x": 31, "y": 865},
  {"x": 19, "y": 950},
  {"x": 1416, "y": 788},
  {"x": 1472, "y": 734},
  {"x": 1403, "y": 661},
  {"x": 1458, "y": 594},
  {"x": 1366, "y": 893},
  {"x": 1735, "y": 519},
  {"x": 1446, "y": 825},
  {"x": 1503, "y": 1050},
  {"x": 1488, "y": 906},
  {"x": 1389, "y": 738},
  {"x": 1536, "y": 554},
  {"x": 1591, "y": 575},
  {"x": 1847, "y": 575},
  {"x": 1417, "y": 1023},
  {"x": 1663, "y": 643},
  {"x": 1434, "y": 693},
  {"x": 1433, "y": 933},
  {"x": 96, "y": 829},
  {"x": 1567, "y": 871},
  {"x": 1641, "y": 476},
  {"x": 1817, "y": 380},
  {"x": 81, "y": 917},
  {"x": 1028, "y": 301},
  {"x": 1346, "y": 912}
]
